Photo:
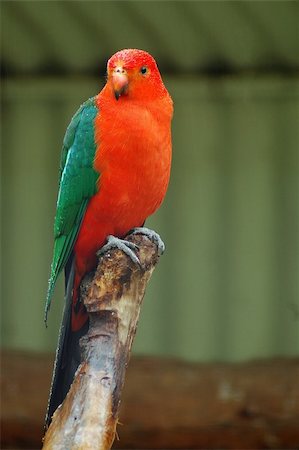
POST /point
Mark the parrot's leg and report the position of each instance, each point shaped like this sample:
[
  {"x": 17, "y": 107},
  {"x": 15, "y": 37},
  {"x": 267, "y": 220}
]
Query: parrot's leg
[
  {"x": 127, "y": 247},
  {"x": 152, "y": 235}
]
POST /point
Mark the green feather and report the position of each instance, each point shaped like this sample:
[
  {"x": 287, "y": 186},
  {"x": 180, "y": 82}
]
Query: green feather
[{"x": 77, "y": 184}]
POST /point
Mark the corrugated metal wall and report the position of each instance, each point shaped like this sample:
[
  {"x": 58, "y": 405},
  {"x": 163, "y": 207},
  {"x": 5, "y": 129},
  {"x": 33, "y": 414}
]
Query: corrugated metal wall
[{"x": 228, "y": 285}]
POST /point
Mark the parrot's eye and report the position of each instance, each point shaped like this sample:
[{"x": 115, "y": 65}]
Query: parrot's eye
[{"x": 143, "y": 70}]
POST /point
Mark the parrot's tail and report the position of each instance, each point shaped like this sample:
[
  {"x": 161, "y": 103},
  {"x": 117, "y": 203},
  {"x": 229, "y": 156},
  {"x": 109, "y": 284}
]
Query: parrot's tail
[{"x": 67, "y": 357}]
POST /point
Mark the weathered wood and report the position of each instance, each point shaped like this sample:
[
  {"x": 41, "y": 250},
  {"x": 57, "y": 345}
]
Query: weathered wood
[
  {"x": 169, "y": 403},
  {"x": 88, "y": 417}
]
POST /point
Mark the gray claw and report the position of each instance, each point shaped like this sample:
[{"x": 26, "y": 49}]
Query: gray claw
[
  {"x": 153, "y": 236},
  {"x": 129, "y": 248}
]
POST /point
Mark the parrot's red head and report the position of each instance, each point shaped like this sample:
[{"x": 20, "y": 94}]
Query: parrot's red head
[{"x": 133, "y": 74}]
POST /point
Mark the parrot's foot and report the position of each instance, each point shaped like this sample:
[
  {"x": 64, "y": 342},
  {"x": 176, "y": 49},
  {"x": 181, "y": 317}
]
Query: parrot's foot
[
  {"x": 127, "y": 247},
  {"x": 152, "y": 235}
]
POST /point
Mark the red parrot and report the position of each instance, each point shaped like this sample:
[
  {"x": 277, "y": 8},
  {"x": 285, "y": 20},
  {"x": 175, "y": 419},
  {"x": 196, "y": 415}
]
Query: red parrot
[{"x": 114, "y": 173}]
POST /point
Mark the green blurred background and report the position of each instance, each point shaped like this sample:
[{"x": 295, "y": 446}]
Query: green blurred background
[{"x": 227, "y": 287}]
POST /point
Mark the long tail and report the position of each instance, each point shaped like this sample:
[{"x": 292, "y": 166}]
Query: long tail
[{"x": 67, "y": 357}]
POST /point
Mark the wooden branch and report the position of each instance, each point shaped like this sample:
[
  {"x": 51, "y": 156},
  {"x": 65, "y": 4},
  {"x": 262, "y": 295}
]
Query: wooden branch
[
  {"x": 168, "y": 403},
  {"x": 88, "y": 417}
]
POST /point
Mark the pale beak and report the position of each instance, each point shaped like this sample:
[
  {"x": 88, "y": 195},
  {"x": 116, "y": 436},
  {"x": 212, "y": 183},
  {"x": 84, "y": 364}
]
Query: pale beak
[{"x": 120, "y": 81}]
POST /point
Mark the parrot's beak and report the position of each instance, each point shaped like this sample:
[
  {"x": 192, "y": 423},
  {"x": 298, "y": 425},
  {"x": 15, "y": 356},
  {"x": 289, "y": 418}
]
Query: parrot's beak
[{"x": 120, "y": 81}]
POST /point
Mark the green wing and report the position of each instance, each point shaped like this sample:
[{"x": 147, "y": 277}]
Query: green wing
[{"x": 78, "y": 183}]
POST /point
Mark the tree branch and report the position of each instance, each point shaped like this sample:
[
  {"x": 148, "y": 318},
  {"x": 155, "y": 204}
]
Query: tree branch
[{"x": 88, "y": 416}]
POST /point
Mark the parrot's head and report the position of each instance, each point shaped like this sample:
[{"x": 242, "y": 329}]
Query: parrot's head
[{"x": 133, "y": 74}]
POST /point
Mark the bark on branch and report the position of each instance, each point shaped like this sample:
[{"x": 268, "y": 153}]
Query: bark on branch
[{"x": 88, "y": 417}]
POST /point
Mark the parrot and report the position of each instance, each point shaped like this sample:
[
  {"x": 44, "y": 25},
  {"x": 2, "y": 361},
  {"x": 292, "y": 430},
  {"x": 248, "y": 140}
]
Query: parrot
[{"x": 114, "y": 173}]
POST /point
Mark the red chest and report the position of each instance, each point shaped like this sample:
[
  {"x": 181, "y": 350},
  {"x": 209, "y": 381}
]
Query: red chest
[{"x": 133, "y": 158}]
